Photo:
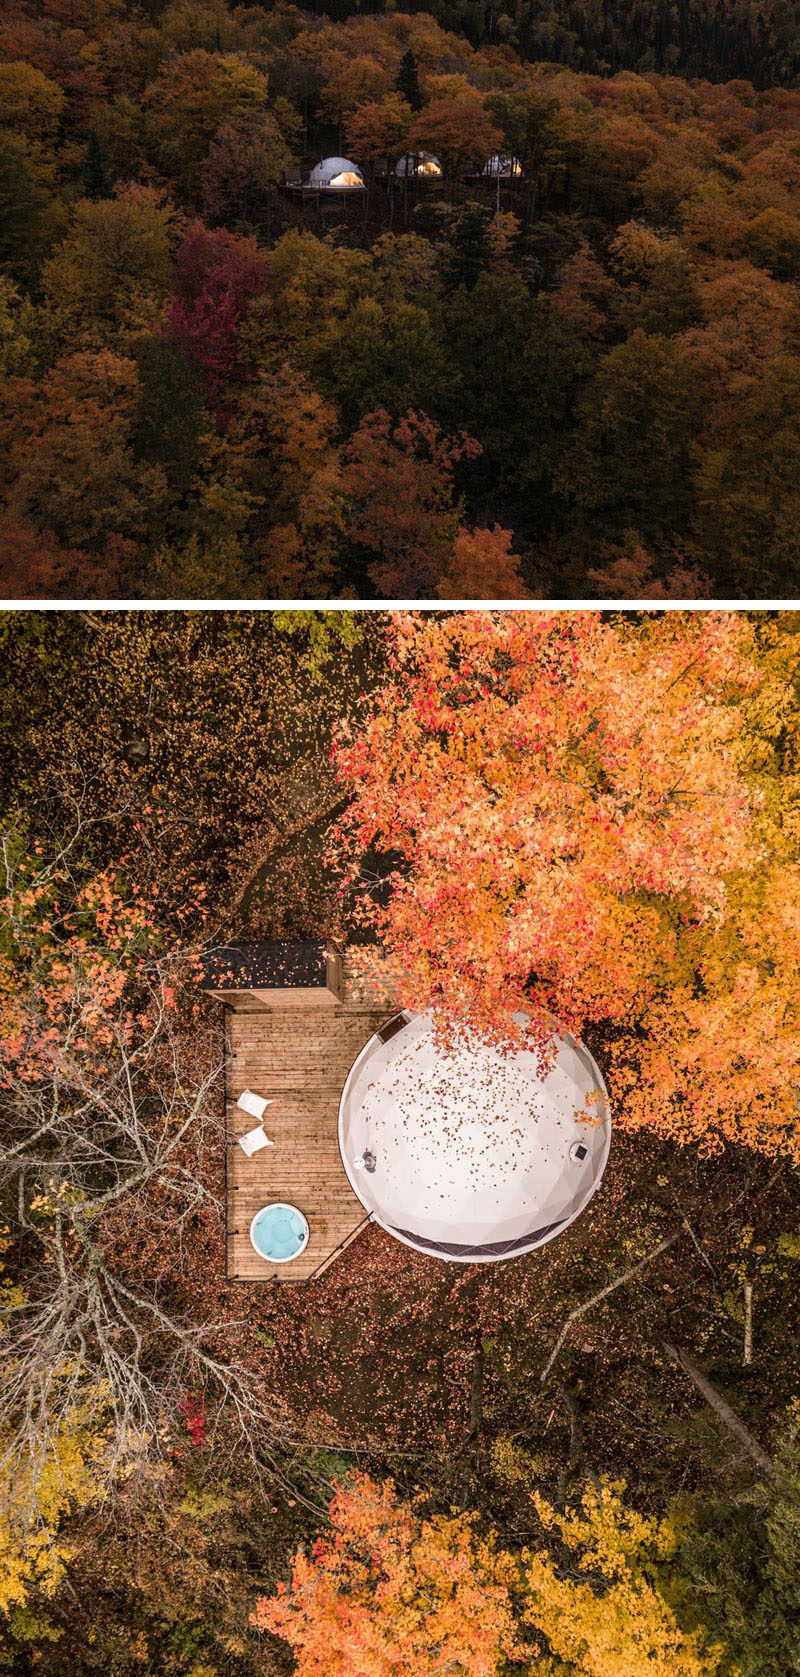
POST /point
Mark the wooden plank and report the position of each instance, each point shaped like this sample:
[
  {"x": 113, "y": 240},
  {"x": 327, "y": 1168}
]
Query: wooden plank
[{"x": 298, "y": 1058}]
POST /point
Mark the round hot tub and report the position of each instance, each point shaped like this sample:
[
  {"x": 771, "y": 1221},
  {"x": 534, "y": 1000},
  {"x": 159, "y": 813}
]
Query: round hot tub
[{"x": 279, "y": 1233}]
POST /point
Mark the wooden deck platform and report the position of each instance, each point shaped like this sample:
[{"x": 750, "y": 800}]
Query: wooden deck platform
[{"x": 299, "y": 1058}]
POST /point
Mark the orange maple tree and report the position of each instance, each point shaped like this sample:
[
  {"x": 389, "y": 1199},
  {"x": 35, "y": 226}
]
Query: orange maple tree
[
  {"x": 399, "y": 479},
  {"x": 390, "y": 1594},
  {"x": 581, "y": 838},
  {"x": 457, "y": 130},
  {"x": 482, "y": 567}
]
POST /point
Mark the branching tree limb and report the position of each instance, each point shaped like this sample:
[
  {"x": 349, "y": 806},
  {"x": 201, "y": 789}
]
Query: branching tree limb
[
  {"x": 605, "y": 1292},
  {"x": 112, "y": 1121}
]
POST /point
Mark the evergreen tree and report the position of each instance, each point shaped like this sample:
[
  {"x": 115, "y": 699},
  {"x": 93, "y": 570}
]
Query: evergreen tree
[
  {"x": 23, "y": 212},
  {"x": 96, "y": 183},
  {"x": 170, "y": 411},
  {"x": 468, "y": 255},
  {"x": 739, "y": 1554},
  {"x": 407, "y": 82}
]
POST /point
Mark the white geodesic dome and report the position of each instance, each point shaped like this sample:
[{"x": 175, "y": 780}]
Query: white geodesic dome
[
  {"x": 336, "y": 174},
  {"x": 418, "y": 163},
  {"x": 472, "y": 1155},
  {"x": 503, "y": 166}
]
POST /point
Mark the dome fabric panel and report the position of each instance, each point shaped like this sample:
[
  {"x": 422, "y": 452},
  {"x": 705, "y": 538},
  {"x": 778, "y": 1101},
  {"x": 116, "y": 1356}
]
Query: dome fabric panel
[
  {"x": 474, "y": 1149},
  {"x": 418, "y": 163},
  {"x": 335, "y": 172}
]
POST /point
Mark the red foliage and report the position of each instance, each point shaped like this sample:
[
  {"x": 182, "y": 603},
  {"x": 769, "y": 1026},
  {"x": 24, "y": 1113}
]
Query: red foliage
[
  {"x": 194, "y": 1416},
  {"x": 219, "y": 274},
  {"x": 34, "y": 565}
]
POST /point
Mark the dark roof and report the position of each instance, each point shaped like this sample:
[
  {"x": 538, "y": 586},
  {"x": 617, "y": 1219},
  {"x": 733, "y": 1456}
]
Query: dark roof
[{"x": 264, "y": 966}]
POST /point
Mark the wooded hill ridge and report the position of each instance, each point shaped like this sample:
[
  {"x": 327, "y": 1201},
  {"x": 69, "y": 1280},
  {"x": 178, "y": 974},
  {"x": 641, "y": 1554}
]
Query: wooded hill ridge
[{"x": 579, "y": 378}]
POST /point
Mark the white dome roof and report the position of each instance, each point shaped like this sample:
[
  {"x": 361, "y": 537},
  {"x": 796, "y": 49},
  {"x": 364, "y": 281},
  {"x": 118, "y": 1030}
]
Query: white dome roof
[
  {"x": 418, "y": 163},
  {"x": 336, "y": 173},
  {"x": 472, "y": 1155},
  {"x": 499, "y": 164}
]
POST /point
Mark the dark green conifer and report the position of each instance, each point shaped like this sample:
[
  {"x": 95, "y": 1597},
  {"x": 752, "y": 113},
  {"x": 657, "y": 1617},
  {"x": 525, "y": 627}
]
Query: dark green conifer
[
  {"x": 408, "y": 81},
  {"x": 468, "y": 255},
  {"x": 96, "y": 183}
]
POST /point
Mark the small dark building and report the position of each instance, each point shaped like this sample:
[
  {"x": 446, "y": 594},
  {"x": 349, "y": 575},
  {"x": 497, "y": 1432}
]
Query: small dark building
[{"x": 276, "y": 975}]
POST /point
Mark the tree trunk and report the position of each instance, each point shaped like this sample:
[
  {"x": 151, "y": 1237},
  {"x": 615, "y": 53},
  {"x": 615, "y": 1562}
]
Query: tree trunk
[
  {"x": 476, "y": 1398},
  {"x": 723, "y": 1410},
  {"x": 572, "y": 1464}
]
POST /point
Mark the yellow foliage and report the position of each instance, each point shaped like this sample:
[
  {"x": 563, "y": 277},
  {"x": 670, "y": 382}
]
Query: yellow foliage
[
  {"x": 637, "y": 250},
  {"x": 512, "y": 1462},
  {"x": 504, "y": 230},
  {"x": 115, "y": 265},
  {"x": 36, "y": 1497},
  {"x": 618, "y": 1624},
  {"x": 200, "y": 1502},
  {"x": 11, "y": 1296},
  {"x": 30, "y": 105}
]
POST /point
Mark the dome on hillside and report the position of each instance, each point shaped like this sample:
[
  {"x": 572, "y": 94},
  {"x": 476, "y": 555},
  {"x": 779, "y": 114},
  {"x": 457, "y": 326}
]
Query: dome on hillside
[
  {"x": 503, "y": 166},
  {"x": 472, "y": 1155},
  {"x": 418, "y": 163},
  {"x": 336, "y": 174}
]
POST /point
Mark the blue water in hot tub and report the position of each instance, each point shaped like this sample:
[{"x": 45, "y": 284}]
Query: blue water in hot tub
[{"x": 279, "y": 1232}]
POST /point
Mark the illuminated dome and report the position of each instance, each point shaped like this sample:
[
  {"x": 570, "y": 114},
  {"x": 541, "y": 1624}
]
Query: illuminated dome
[
  {"x": 418, "y": 163},
  {"x": 335, "y": 174},
  {"x": 472, "y": 1155},
  {"x": 505, "y": 167}
]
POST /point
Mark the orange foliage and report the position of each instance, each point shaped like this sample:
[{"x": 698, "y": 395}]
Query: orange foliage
[
  {"x": 400, "y": 480},
  {"x": 379, "y": 129},
  {"x": 483, "y": 567},
  {"x": 34, "y": 565},
  {"x": 391, "y": 1594},
  {"x": 581, "y": 838},
  {"x": 67, "y": 961},
  {"x": 458, "y": 131}
]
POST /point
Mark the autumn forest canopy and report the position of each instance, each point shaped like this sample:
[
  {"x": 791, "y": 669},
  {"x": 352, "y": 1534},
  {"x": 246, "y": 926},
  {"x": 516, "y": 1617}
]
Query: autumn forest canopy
[
  {"x": 581, "y": 1463},
  {"x": 578, "y": 377}
]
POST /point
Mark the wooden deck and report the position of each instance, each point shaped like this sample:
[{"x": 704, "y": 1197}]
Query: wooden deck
[{"x": 298, "y": 1058}]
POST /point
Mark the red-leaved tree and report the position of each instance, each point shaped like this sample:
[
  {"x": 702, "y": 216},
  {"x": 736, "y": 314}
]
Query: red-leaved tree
[{"x": 219, "y": 275}]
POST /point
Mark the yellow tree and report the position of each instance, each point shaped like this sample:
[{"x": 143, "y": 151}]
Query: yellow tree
[
  {"x": 114, "y": 268},
  {"x": 37, "y": 1498},
  {"x": 597, "y": 1604}
]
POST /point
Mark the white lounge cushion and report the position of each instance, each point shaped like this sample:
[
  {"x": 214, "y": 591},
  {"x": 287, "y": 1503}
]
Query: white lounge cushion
[
  {"x": 255, "y": 1105},
  {"x": 254, "y": 1140}
]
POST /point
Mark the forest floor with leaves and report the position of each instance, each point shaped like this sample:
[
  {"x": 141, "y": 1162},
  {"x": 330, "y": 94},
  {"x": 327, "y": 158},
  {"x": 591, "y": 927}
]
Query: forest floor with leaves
[{"x": 376, "y": 1361}]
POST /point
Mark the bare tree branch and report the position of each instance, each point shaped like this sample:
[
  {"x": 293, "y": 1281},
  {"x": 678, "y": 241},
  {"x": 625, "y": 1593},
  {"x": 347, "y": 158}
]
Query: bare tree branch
[{"x": 597, "y": 1298}]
